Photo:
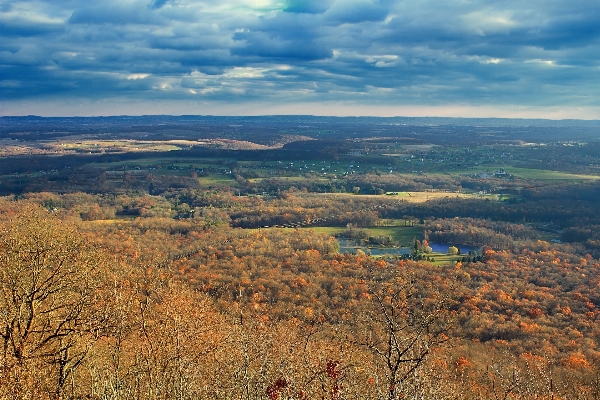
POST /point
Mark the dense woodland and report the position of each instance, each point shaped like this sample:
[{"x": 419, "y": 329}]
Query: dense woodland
[{"x": 153, "y": 279}]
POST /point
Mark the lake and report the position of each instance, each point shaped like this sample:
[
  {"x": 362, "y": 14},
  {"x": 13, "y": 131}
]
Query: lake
[
  {"x": 443, "y": 248},
  {"x": 349, "y": 246}
]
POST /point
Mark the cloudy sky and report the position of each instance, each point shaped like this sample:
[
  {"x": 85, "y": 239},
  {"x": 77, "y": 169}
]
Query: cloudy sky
[{"x": 472, "y": 58}]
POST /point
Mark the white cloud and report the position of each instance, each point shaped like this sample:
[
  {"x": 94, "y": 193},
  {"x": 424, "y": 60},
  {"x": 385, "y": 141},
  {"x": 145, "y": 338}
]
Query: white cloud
[
  {"x": 137, "y": 76},
  {"x": 387, "y": 52},
  {"x": 245, "y": 72},
  {"x": 484, "y": 22}
]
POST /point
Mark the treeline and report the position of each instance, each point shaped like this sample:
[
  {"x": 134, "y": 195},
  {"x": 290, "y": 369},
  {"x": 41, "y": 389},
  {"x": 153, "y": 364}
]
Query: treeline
[
  {"x": 299, "y": 274},
  {"x": 586, "y": 235},
  {"x": 472, "y": 232},
  {"x": 568, "y": 205},
  {"x": 573, "y": 220},
  {"x": 374, "y": 184}
]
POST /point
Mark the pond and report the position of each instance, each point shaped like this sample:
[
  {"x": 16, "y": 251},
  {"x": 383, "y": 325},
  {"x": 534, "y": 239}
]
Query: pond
[
  {"x": 350, "y": 246},
  {"x": 443, "y": 248}
]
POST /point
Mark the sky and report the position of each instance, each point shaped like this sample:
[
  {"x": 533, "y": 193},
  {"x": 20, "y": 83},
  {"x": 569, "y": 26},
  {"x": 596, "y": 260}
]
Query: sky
[{"x": 463, "y": 58}]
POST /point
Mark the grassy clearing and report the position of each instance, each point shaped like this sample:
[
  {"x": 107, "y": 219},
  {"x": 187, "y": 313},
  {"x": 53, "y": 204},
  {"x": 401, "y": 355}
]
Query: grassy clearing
[
  {"x": 444, "y": 259},
  {"x": 398, "y": 194},
  {"x": 217, "y": 180},
  {"x": 404, "y": 235},
  {"x": 122, "y": 145}
]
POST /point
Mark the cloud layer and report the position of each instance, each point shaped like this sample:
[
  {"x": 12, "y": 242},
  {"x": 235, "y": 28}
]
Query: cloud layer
[{"x": 350, "y": 53}]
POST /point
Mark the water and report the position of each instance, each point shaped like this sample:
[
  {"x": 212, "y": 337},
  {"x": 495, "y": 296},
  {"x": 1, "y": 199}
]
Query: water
[
  {"x": 443, "y": 248},
  {"x": 349, "y": 246}
]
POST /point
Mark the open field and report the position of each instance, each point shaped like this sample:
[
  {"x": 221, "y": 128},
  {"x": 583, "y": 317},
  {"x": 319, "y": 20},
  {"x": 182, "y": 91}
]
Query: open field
[
  {"x": 444, "y": 259},
  {"x": 218, "y": 180},
  {"x": 405, "y": 236},
  {"x": 401, "y": 194},
  {"x": 116, "y": 146},
  {"x": 546, "y": 175},
  {"x": 99, "y": 146},
  {"x": 412, "y": 197},
  {"x": 529, "y": 173}
]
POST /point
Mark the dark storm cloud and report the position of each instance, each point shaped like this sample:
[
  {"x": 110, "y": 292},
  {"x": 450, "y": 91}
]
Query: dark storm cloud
[
  {"x": 158, "y": 3},
  {"x": 574, "y": 31},
  {"x": 384, "y": 52},
  {"x": 114, "y": 13},
  {"x": 263, "y": 44},
  {"x": 179, "y": 43},
  {"x": 23, "y": 27},
  {"x": 355, "y": 11}
]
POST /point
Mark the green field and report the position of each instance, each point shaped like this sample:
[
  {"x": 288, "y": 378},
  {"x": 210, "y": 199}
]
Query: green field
[
  {"x": 404, "y": 235},
  {"x": 530, "y": 173},
  {"x": 218, "y": 180},
  {"x": 546, "y": 175},
  {"x": 443, "y": 259}
]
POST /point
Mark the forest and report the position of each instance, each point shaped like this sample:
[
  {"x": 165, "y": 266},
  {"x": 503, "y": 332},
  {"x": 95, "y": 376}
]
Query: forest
[{"x": 196, "y": 258}]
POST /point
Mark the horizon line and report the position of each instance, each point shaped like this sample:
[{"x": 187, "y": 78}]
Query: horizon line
[{"x": 299, "y": 115}]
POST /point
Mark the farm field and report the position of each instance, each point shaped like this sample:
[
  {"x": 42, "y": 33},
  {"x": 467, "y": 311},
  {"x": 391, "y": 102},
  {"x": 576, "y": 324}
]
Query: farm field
[
  {"x": 528, "y": 173},
  {"x": 412, "y": 197},
  {"x": 547, "y": 175},
  {"x": 114, "y": 146}
]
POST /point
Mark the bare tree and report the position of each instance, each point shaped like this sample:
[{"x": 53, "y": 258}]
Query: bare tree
[
  {"x": 405, "y": 319},
  {"x": 47, "y": 289}
]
